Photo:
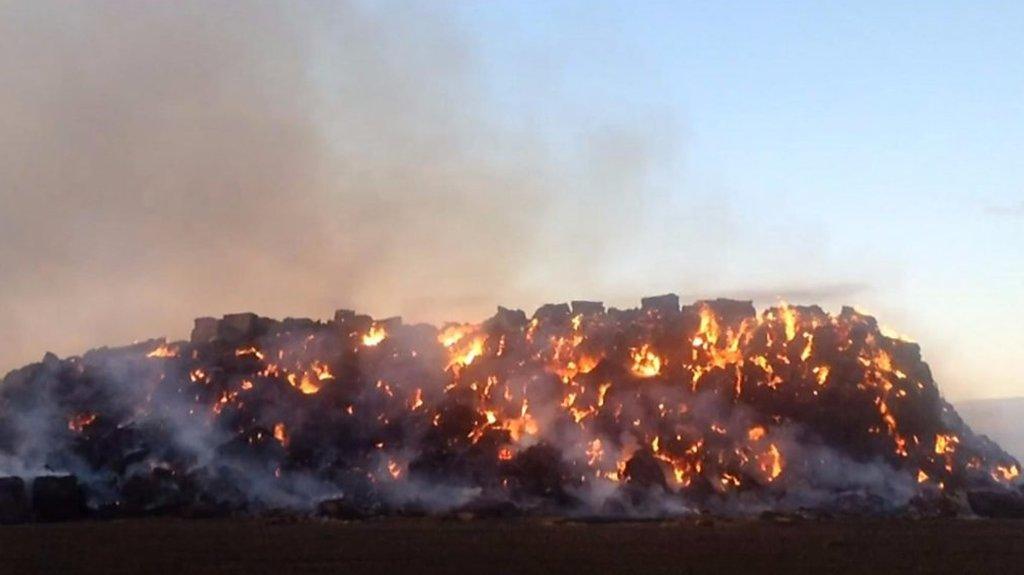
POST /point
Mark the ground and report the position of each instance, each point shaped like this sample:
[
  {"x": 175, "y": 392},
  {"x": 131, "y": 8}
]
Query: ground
[{"x": 424, "y": 546}]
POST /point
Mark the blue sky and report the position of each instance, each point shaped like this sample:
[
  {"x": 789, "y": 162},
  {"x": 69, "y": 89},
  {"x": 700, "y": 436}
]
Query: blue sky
[{"x": 875, "y": 146}]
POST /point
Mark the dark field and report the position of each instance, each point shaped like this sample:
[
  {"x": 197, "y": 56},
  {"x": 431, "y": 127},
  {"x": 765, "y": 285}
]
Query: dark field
[{"x": 516, "y": 546}]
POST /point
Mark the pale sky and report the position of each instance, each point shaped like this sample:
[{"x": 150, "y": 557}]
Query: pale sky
[{"x": 164, "y": 161}]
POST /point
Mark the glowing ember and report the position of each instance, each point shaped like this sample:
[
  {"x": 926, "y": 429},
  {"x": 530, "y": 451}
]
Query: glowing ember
[
  {"x": 281, "y": 434},
  {"x": 79, "y": 422}
]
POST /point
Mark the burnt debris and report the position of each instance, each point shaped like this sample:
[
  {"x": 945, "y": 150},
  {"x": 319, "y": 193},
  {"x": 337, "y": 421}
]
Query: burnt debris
[{"x": 578, "y": 410}]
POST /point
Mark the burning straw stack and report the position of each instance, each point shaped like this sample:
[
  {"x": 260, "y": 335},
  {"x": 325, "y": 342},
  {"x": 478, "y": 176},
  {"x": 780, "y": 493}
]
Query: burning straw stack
[{"x": 577, "y": 410}]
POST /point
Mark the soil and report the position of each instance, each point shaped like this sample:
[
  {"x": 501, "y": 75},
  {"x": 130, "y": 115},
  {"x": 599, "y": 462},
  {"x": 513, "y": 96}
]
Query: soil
[{"x": 424, "y": 546}]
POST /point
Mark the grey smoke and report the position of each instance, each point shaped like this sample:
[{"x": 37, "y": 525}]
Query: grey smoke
[{"x": 164, "y": 161}]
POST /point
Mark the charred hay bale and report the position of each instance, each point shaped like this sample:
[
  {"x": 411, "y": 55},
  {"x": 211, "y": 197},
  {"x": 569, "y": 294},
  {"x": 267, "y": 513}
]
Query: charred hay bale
[
  {"x": 342, "y": 321},
  {"x": 204, "y": 330},
  {"x": 645, "y": 470},
  {"x": 297, "y": 325},
  {"x": 553, "y": 313},
  {"x": 236, "y": 328},
  {"x": 730, "y": 311},
  {"x": 359, "y": 323},
  {"x": 440, "y": 463},
  {"x": 507, "y": 320},
  {"x": 257, "y": 446},
  {"x": 664, "y": 305},
  {"x": 155, "y": 493},
  {"x": 390, "y": 324},
  {"x": 218, "y": 491},
  {"x": 57, "y": 498},
  {"x": 859, "y": 504},
  {"x": 348, "y": 508},
  {"x": 487, "y": 506},
  {"x": 14, "y": 506},
  {"x": 997, "y": 503},
  {"x": 940, "y": 504},
  {"x": 581, "y": 307},
  {"x": 538, "y": 471}
]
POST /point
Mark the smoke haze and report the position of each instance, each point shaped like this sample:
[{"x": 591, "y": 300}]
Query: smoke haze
[{"x": 165, "y": 161}]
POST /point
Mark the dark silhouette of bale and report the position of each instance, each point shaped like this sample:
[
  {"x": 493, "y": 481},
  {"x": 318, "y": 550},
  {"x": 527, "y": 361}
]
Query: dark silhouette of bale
[
  {"x": 860, "y": 505},
  {"x": 488, "y": 507},
  {"x": 344, "y": 322},
  {"x": 156, "y": 493},
  {"x": 538, "y": 471},
  {"x": 508, "y": 319},
  {"x": 730, "y": 311},
  {"x": 57, "y": 498},
  {"x": 581, "y": 307},
  {"x": 644, "y": 470},
  {"x": 347, "y": 508},
  {"x": 391, "y": 323},
  {"x": 943, "y": 504},
  {"x": 665, "y": 305},
  {"x": 553, "y": 313},
  {"x": 14, "y": 506},
  {"x": 204, "y": 330},
  {"x": 237, "y": 327},
  {"x": 1003, "y": 504}
]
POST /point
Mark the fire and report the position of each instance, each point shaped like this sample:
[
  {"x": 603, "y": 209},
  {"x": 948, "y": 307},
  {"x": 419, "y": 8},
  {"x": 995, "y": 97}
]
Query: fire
[
  {"x": 645, "y": 362},
  {"x": 322, "y": 371},
  {"x": 602, "y": 391},
  {"x": 821, "y": 373},
  {"x": 1006, "y": 473},
  {"x": 707, "y": 333},
  {"x": 79, "y": 422},
  {"x": 789, "y": 320},
  {"x": 394, "y": 469},
  {"x": 451, "y": 335},
  {"x": 249, "y": 351},
  {"x": 595, "y": 452},
  {"x": 771, "y": 463},
  {"x": 306, "y": 383},
  {"x": 587, "y": 363},
  {"x": 374, "y": 336},
  {"x": 945, "y": 443},
  {"x": 163, "y": 350},
  {"x": 281, "y": 434},
  {"x": 468, "y": 354},
  {"x": 417, "y": 400}
]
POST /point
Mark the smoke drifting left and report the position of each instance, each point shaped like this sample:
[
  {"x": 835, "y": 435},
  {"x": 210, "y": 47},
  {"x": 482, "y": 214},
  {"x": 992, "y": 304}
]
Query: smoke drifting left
[{"x": 164, "y": 160}]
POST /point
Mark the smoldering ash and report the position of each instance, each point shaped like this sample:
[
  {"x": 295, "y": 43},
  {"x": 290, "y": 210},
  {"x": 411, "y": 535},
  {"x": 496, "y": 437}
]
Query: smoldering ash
[{"x": 578, "y": 410}]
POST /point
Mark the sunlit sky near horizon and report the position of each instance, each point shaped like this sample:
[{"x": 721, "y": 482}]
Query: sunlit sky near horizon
[{"x": 472, "y": 154}]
